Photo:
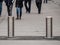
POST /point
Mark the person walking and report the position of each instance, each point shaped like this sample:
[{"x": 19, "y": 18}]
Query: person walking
[
  {"x": 38, "y": 4},
  {"x": 9, "y": 4},
  {"x": 28, "y": 5},
  {"x": 1, "y": 1},
  {"x": 19, "y": 5},
  {"x": 45, "y": 1}
]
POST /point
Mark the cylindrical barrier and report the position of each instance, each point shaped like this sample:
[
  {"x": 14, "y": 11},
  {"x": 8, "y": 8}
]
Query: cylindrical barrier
[
  {"x": 48, "y": 27},
  {"x": 10, "y": 26}
]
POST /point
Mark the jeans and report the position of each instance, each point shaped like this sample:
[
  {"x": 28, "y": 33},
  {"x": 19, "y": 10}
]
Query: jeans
[
  {"x": 19, "y": 11},
  {"x": 0, "y": 7}
]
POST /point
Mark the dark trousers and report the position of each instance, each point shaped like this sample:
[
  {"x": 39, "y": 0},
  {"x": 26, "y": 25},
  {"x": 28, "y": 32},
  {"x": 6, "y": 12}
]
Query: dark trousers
[
  {"x": 0, "y": 8},
  {"x": 39, "y": 7},
  {"x": 9, "y": 10},
  {"x": 45, "y": 1},
  {"x": 28, "y": 7}
]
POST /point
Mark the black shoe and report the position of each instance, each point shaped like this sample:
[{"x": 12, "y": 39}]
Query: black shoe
[
  {"x": 39, "y": 12},
  {"x": 27, "y": 11}
]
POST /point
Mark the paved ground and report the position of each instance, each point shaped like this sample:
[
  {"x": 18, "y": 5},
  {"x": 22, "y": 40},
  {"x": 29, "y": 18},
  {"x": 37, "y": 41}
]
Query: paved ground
[
  {"x": 32, "y": 25},
  {"x": 56, "y": 2}
]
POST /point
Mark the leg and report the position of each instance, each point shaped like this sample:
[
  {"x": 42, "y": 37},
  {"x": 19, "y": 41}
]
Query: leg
[
  {"x": 0, "y": 8},
  {"x": 20, "y": 12},
  {"x": 37, "y": 4},
  {"x": 9, "y": 9},
  {"x": 29, "y": 3},
  {"x": 39, "y": 8},
  {"x": 46, "y": 1},
  {"x": 26, "y": 6},
  {"x": 17, "y": 11}
]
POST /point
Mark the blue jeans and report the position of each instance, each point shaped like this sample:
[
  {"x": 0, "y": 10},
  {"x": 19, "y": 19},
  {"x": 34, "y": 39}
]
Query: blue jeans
[
  {"x": 0, "y": 7},
  {"x": 19, "y": 11}
]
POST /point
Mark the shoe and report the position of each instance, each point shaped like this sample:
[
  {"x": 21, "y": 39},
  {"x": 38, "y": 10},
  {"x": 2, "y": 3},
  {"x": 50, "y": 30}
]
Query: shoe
[
  {"x": 27, "y": 11},
  {"x": 20, "y": 18},
  {"x": 39, "y": 12}
]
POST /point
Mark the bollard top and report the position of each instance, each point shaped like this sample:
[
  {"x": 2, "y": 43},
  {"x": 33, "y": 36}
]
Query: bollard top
[{"x": 49, "y": 17}]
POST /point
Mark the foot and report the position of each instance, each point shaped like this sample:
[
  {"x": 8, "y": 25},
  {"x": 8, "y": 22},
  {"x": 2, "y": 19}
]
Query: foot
[
  {"x": 39, "y": 13},
  {"x": 27, "y": 11},
  {"x": 20, "y": 18}
]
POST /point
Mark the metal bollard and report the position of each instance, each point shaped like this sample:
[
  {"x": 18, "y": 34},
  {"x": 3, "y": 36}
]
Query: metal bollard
[
  {"x": 48, "y": 27},
  {"x": 10, "y": 26}
]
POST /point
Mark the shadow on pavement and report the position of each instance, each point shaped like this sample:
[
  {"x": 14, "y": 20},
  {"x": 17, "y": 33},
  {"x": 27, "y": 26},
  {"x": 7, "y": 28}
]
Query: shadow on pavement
[{"x": 29, "y": 38}]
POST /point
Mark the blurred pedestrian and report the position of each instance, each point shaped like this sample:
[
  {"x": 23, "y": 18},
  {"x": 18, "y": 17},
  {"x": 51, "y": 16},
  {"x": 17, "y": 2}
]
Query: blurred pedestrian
[
  {"x": 1, "y": 1},
  {"x": 19, "y": 5},
  {"x": 9, "y": 4},
  {"x": 45, "y": 1},
  {"x": 38, "y": 4},
  {"x": 28, "y": 5}
]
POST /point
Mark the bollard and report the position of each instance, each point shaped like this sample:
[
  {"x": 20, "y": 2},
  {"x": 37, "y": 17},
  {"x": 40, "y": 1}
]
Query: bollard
[
  {"x": 10, "y": 26},
  {"x": 48, "y": 27}
]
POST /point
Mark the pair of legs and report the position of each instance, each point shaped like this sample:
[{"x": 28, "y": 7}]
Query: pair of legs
[
  {"x": 0, "y": 8},
  {"x": 19, "y": 12},
  {"x": 28, "y": 6},
  {"x": 9, "y": 9},
  {"x": 39, "y": 7},
  {"x": 45, "y": 1}
]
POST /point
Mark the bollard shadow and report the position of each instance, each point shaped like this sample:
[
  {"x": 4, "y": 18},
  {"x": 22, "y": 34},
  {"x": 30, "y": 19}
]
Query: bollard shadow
[
  {"x": 29, "y": 38},
  {"x": 22, "y": 38},
  {"x": 3, "y": 37},
  {"x": 56, "y": 38},
  {"x": 53, "y": 38}
]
